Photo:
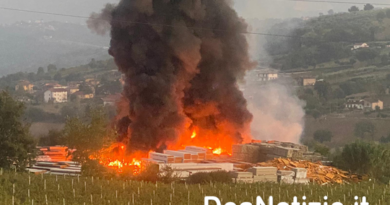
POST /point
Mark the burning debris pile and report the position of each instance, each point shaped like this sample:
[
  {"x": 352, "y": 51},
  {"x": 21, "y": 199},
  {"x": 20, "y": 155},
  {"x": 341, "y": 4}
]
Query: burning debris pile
[
  {"x": 316, "y": 172},
  {"x": 182, "y": 61}
]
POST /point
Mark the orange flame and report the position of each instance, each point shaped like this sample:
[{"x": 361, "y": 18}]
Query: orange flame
[
  {"x": 217, "y": 151},
  {"x": 115, "y": 157},
  {"x": 193, "y": 134}
]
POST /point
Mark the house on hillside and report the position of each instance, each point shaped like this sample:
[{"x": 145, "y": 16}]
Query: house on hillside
[
  {"x": 364, "y": 104},
  {"x": 92, "y": 82},
  {"x": 266, "y": 74},
  {"x": 354, "y": 104},
  {"x": 373, "y": 104},
  {"x": 24, "y": 85},
  {"x": 111, "y": 99},
  {"x": 307, "y": 81},
  {"x": 81, "y": 95},
  {"x": 56, "y": 95},
  {"x": 360, "y": 45},
  {"x": 52, "y": 85}
]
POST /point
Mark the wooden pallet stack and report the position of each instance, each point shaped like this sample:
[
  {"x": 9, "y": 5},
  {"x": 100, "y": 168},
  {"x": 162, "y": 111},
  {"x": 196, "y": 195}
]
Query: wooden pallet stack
[
  {"x": 53, "y": 154},
  {"x": 264, "y": 151},
  {"x": 264, "y": 174}
]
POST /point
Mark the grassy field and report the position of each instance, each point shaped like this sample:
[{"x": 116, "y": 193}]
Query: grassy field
[{"x": 37, "y": 189}]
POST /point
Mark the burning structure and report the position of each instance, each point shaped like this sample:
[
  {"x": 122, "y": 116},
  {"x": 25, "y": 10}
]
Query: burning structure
[{"x": 182, "y": 61}]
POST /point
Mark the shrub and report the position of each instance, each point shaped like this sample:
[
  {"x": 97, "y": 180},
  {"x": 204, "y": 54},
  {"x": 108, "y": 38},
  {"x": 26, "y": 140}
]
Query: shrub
[
  {"x": 149, "y": 174},
  {"x": 323, "y": 136},
  {"x": 199, "y": 178},
  {"x": 215, "y": 177}
]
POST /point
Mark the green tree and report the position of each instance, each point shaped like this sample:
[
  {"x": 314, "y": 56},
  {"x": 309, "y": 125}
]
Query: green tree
[
  {"x": 57, "y": 77},
  {"x": 16, "y": 146},
  {"x": 86, "y": 89},
  {"x": 365, "y": 129},
  {"x": 368, "y": 7},
  {"x": 323, "y": 136},
  {"x": 316, "y": 114},
  {"x": 366, "y": 54},
  {"x": 380, "y": 16},
  {"x": 324, "y": 89},
  {"x": 53, "y": 138},
  {"x": 109, "y": 87},
  {"x": 87, "y": 134},
  {"x": 51, "y": 68},
  {"x": 384, "y": 59},
  {"x": 322, "y": 149},
  {"x": 365, "y": 158},
  {"x": 353, "y": 9},
  {"x": 69, "y": 111},
  {"x": 41, "y": 71},
  {"x": 385, "y": 139}
]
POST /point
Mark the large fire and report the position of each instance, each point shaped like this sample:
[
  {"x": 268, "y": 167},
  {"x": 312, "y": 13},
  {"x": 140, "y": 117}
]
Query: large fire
[{"x": 115, "y": 156}]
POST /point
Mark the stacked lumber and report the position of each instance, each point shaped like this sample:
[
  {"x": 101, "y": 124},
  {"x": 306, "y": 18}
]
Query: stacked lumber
[
  {"x": 264, "y": 174},
  {"x": 56, "y": 168},
  {"x": 265, "y": 151},
  {"x": 285, "y": 177},
  {"x": 242, "y": 177},
  {"x": 186, "y": 156},
  {"x": 53, "y": 154},
  {"x": 300, "y": 176},
  {"x": 207, "y": 152},
  {"x": 316, "y": 172},
  {"x": 255, "y": 174},
  {"x": 166, "y": 158}
]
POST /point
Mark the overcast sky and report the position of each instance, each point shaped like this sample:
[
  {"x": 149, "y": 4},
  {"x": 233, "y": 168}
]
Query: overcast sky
[{"x": 249, "y": 9}]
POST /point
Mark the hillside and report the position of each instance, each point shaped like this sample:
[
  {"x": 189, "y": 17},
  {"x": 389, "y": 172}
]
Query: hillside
[
  {"x": 326, "y": 41},
  {"x": 25, "y": 46}
]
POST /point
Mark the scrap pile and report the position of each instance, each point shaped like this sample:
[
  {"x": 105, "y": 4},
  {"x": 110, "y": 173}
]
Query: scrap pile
[{"x": 316, "y": 172}]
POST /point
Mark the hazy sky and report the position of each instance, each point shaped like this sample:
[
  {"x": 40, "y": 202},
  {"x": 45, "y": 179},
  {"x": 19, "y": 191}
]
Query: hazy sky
[{"x": 246, "y": 8}]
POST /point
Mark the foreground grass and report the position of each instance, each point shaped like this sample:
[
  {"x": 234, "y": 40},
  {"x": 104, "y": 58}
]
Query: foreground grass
[{"x": 23, "y": 188}]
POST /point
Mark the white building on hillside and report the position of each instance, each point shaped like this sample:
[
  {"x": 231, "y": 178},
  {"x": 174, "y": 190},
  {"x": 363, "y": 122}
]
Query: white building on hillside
[
  {"x": 360, "y": 45},
  {"x": 57, "y": 95},
  {"x": 266, "y": 74}
]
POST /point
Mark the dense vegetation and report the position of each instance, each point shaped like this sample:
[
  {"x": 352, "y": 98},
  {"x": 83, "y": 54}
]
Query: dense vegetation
[
  {"x": 330, "y": 39},
  {"x": 17, "y": 147},
  {"x": 88, "y": 190},
  {"x": 366, "y": 158}
]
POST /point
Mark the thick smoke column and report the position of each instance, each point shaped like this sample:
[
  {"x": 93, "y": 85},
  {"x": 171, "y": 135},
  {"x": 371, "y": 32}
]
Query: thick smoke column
[
  {"x": 277, "y": 111},
  {"x": 182, "y": 60},
  {"x": 100, "y": 22}
]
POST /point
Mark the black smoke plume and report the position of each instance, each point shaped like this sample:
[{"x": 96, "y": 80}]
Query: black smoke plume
[{"x": 182, "y": 60}]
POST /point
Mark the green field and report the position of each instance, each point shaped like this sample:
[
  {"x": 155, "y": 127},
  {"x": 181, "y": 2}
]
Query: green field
[{"x": 37, "y": 189}]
